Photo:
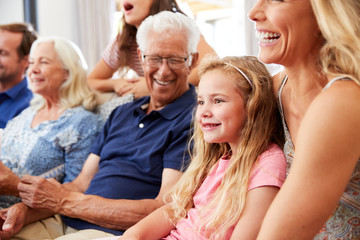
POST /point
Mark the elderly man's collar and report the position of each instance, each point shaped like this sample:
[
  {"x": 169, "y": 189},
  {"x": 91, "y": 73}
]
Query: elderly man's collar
[{"x": 179, "y": 105}]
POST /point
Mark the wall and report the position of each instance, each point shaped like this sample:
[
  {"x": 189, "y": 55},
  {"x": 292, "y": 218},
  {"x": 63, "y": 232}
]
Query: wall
[
  {"x": 87, "y": 23},
  {"x": 58, "y": 17},
  {"x": 11, "y": 11},
  {"x": 55, "y": 17}
]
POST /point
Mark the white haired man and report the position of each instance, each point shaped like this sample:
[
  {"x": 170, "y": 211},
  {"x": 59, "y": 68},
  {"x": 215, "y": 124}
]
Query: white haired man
[{"x": 137, "y": 157}]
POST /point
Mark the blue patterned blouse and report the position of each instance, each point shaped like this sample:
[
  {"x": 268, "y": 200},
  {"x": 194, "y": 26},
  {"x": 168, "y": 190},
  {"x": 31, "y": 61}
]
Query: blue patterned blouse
[{"x": 55, "y": 149}]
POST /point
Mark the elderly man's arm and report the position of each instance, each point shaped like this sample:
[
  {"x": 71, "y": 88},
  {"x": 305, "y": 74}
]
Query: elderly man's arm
[{"x": 116, "y": 214}]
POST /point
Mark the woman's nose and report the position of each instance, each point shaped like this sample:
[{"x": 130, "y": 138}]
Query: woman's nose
[
  {"x": 33, "y": 68},
  {"x": 256, "y": 13}
]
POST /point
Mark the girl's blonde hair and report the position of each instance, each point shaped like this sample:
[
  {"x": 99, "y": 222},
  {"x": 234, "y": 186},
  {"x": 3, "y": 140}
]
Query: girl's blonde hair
[
  {"x": 340, "y": 26},
  {"x": 74, "y": 91},
  {"x": 260, "y": 130}
]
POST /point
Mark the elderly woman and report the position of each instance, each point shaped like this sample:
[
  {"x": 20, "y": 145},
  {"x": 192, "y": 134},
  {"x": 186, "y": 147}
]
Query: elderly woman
[{"x": 52, "y": 137}]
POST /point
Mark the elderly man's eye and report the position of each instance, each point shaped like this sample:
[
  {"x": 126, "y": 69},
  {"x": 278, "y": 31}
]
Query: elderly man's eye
[{"x": 176, "y": 60}]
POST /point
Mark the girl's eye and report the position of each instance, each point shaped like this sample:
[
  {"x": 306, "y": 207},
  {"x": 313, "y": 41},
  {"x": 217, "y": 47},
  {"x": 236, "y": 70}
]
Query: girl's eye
[
  {"x": 216, "y": 101},
  {"x": 200, "y": 102}
]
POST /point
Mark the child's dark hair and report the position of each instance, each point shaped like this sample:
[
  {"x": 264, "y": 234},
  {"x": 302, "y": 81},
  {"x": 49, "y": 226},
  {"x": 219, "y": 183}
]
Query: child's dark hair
[{"x": 128, "y": 33}]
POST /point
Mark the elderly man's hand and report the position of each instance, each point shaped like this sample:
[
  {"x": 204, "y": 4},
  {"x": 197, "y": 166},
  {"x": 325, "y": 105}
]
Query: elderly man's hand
[
  {"x": 12, "y": 220},
  {"x": 38, "y": 192}
]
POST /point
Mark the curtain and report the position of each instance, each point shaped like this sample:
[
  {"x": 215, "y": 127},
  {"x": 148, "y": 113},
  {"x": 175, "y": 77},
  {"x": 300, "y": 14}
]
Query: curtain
[{"x": 95, "y": 25}]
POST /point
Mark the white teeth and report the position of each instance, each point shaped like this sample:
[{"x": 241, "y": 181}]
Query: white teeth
[
  {"x": 163, "y": 83},
  {"x": 268, "y": 40},
  {"x": 267, "y": 36}
]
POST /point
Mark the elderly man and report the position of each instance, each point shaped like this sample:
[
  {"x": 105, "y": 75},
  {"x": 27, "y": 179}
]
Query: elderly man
[
  {"x": 137, "y": 157},
  {"x": 15, "y": 44}
]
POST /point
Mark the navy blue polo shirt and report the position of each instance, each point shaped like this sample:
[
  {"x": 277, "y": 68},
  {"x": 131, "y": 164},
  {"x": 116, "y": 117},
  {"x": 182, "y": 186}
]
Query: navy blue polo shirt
[
  {"x": 13, "y": 101},
  {"x": 135, "y": 147}
]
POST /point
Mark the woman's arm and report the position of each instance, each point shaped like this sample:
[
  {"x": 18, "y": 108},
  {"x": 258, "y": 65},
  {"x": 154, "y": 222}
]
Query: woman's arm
[
  {"x": 100, "y": 79},
  {"x": 203, "y": 49},
  {"x": 19, "y": 215},
  {"x": 13, "y": 219},
  {"x": 8, "y": 181},
  {"x": 258, "y": 201},
  {"x": 327, "y": 150},
  {"x": 154, "y": 226}
]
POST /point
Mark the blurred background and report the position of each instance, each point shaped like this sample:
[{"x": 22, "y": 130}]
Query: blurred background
[{"x": 91, "y": 24}]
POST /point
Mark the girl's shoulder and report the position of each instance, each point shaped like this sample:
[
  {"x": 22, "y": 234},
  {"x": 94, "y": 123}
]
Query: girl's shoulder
[
  {"x": 273, "y": 149},
  {"x": 270, "y": 169},
  {"x": 272, "y": 158}
]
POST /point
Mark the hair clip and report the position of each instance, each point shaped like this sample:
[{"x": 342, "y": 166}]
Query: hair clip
[{"x": 241, "y": 72}]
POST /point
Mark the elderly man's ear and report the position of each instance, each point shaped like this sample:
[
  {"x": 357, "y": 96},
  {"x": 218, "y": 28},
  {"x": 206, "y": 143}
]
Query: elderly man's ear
[{"x": 140, "y": 55}]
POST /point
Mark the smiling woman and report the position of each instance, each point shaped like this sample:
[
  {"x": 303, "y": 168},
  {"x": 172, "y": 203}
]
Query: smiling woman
[
  {"x": 318, "y": 94},
  {"x": 52, "y": 137},
  {"x": 46, "y": 74}
]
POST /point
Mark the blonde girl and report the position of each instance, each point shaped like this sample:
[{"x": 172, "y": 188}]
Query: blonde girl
[{"x": 237, "y": 166}]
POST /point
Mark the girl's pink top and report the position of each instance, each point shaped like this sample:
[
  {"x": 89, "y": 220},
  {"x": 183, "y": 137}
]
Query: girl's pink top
[{"x": 270, "y": 170}]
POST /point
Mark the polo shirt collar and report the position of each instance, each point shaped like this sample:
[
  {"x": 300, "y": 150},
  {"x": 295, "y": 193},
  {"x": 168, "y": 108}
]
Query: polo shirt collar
[
  {"x": 173, "y": 109},
  {"x": 178, "y": 106},
  {"x": 15, "y": 91}
]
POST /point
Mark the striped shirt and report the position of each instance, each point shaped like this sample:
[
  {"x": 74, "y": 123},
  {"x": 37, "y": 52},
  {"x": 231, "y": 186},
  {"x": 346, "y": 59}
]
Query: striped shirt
[{"x": 111, "y": 56}]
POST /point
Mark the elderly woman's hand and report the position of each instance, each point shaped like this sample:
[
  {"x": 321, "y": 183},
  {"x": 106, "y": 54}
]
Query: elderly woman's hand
[
  {"x": 12, "y": 220},
  {"x": 8, "y": 181},
  {"x": 38, "y": 192}
]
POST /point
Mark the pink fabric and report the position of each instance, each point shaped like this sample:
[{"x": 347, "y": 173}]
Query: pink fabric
[
  {"x": 111, "y": 56},
  {"x": 269, "y": 171}
]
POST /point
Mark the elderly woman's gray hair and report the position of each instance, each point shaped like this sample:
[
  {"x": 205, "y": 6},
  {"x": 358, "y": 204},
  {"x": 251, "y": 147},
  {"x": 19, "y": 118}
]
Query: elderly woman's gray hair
[
  {"x": 74, "y": 91},
  {"x": 165, "y": 22}
]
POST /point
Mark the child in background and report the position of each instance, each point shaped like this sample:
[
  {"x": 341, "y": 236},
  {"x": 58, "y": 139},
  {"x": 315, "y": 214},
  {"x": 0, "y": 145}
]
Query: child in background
[{"x": 237, "y": 166}]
